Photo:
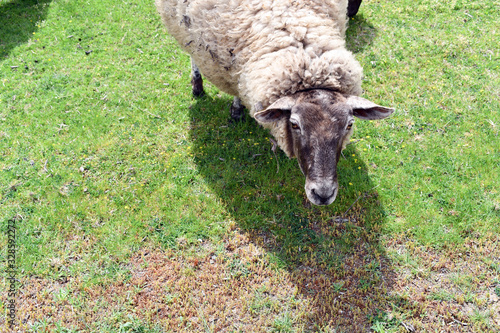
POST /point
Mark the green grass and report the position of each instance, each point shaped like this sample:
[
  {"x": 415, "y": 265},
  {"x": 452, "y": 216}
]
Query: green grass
[
  {"x": 437, "y": 63},
  {"x": 82, "y": 155},
  {"x": 103, "y": 153}
]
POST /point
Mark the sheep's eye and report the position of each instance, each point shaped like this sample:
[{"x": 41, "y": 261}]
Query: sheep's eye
[
  {"x": 349, "y": 127},
  {"x": 295, "y": 126}
]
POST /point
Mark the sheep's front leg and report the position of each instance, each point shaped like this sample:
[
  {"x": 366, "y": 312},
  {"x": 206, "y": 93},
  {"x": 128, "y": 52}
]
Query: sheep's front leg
[
  {"x": 237, "y": 109},
  {"x": 196, "y": 80}
]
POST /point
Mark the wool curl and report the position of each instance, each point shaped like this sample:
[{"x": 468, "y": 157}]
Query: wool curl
[{"x": 261, "y": 50}]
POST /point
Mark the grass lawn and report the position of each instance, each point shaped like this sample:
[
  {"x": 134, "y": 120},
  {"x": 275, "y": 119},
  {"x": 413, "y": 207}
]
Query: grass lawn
[{"x": 138, "y": 208}]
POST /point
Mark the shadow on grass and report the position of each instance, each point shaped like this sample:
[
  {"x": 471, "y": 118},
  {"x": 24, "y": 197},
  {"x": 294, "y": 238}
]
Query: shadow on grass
[
  {"x": 360, "y": 34},
  {"x": 18, "y": 22},
  {"x": 333, "y": 253}
]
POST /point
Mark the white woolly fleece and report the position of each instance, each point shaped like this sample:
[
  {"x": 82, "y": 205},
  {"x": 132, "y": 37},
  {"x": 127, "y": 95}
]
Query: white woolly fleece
[{"x": 261, "y": 50}]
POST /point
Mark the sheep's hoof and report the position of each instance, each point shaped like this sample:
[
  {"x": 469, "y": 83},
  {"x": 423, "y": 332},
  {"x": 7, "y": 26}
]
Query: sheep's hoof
[
  {"x": 198, "y": 87},
  {"x": 237, "y": 112},
  {"x": 198, "y": 93}
]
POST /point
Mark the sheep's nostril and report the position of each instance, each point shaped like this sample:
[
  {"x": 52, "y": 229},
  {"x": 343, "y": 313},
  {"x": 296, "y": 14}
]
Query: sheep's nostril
[{"x": 323, "y": 196}]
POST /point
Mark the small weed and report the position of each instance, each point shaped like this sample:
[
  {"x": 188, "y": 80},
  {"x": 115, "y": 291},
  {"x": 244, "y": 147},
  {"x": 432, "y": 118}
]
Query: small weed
[
  {"x": 60, "y": 328},
  {"x": 40, "y": 326},
  {"x": 481, "y": 317},
  {"x": 237, "y": 269},
  {"x": 338, "y": 286},
  {"x": 169, "y": 298},
  {"x": 383, "y": 322},
  {"x": 260, "y": 304},
  {"x": 284, "y": 323},
  {"x": 462, "y": 280},
  {"x": 440, "y": 295},
  {"x": 469, "y": 297},
  {"x": 379, "y": 327},
  {"x": 62, "y": 295}
]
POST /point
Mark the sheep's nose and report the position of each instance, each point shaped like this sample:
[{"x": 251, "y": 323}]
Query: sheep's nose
[{"x": 321, "y": 194}]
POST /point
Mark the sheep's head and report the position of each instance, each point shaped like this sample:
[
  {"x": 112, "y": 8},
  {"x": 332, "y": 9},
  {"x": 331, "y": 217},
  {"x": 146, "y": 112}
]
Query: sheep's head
[{"x": 316, "y": 125}]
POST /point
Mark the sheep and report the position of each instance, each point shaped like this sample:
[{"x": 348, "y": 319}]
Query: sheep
[{"x": 286, "y": 62}]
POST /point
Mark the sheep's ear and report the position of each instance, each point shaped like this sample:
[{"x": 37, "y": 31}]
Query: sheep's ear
[
  {"x": 276, "y": 111},
  {"x": 367, "y": 110}
]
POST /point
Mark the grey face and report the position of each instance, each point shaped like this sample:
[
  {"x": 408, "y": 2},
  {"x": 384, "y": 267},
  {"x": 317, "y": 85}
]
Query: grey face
[{"x": 317, "y": 124}]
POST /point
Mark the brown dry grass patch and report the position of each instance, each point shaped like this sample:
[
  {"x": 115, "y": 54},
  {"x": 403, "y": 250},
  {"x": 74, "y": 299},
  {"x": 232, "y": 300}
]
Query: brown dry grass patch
[
  {"x": 454, "y": 289},
  {"x": 232, "y": 286}
]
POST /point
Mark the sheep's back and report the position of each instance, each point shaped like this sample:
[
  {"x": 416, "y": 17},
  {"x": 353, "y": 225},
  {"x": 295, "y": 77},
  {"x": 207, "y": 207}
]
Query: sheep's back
[{"x": 224, "y": 37}]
